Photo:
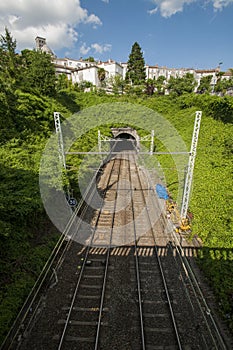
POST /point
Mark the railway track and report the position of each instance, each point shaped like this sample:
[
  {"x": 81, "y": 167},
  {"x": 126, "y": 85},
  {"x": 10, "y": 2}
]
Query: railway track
[
  {"x": 86, "y": 311},
  {"x": 150, "y": 278},
  {"x": 193, "y": 322},
  {"x": 129, "y": 287}
]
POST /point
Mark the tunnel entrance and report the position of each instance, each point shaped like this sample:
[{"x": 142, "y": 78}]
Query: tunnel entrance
[
  {"x": 126, "y": 138},
  {"x": 125, "y": 142}
]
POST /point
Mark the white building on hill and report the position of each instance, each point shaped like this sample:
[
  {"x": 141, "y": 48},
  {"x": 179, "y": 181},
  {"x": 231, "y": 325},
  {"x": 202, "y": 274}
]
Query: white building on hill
[
  {"x": 112, "y": 68},
  {"x": 81, "y": 70},
  {"x": 153, "y": 72},
  {"x": 89, "y": 74},
  {"x": 200, "y": 73},
  {"x": 77, "y": 70}
]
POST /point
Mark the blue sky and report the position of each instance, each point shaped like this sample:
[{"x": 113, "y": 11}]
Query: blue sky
[{"x": 172, "y": 33}]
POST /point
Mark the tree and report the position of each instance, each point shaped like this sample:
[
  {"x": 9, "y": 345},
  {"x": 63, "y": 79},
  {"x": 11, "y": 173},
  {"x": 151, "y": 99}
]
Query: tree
[
  {"x": 222, "y": 85},
  {"x": 39, "y": 73},
  {"x": 136, "y": 66},
  {"x": 9, "y": 80},
  {"x": 219, "y": 87},
  {"x": 179, "y": 86},
  {"x": 150, "y": 87},
  {"x": 62, "y": 82},
  {"x": 205, "y": 84},
  {"x": 83, "y": 85},
  {"x": 89, "y": 59},
  {"x": 160, "y": 83},
  {"x": 9, "y": 60},
  {"x": 101, "y": 75},
  {"x": 117, "y": 84}
]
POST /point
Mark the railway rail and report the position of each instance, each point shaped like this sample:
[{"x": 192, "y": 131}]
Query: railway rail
[
  {"x": 146, "y": 275},
  {"x": 89, "y": 293},
  {"x": 130, "y": 287},
  {"x": 184, "y": 289}
]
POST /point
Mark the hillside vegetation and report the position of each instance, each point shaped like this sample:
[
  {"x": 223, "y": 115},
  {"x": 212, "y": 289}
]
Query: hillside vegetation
[
  {"x": 27, "y": 236},
  {"x": 26, "y": 122}
]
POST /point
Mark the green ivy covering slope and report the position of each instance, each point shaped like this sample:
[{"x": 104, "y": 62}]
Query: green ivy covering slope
[{"x": 27, "y": 236}]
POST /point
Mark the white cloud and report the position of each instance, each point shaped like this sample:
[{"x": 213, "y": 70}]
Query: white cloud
[
  {"x": 219, "y": 4},
  {"x": 101, "y": 48},
  {"x": 170, "y": 7},
  {"x": 95, "y": 48},
  {"x": 93, "y": 19},
  {"x": 84, "y": 49},
  {"x": 153, "y": 11},
  {"x": 107, "y": 1},
  {"x": 56, "y": 20}
]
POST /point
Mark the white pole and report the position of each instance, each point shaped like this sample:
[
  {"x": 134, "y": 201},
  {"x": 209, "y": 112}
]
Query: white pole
[
  {"x": 60, "y": 139},
  {"x": 99, "y": 140},
  {"x": 189, "y": 175},
  {"x": 152, "y": 142}
]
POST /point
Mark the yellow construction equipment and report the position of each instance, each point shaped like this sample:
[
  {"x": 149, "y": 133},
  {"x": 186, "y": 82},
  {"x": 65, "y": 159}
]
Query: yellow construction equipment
[{"x": 184, "y": 226}]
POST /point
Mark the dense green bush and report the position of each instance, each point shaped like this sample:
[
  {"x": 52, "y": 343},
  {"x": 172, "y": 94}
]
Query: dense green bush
[{"x": 219, "y": 108}]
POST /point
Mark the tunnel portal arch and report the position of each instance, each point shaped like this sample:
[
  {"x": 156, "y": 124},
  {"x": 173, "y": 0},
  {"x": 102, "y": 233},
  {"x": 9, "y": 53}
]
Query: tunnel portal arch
[{"x": 125, "y": 134}]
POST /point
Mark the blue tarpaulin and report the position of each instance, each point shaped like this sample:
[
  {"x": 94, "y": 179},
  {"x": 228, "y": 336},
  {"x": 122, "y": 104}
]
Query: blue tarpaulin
[{"x": 161, "y": 191}]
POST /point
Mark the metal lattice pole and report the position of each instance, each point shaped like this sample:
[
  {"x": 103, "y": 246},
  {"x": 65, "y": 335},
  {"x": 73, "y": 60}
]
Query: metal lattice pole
[
  {"x": 60, "y": 139},
  {"x": 189, "y": 175}
]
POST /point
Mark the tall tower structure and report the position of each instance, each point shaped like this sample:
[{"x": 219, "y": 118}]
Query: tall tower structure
[
  {"x": 40, "y": 42},
  {"x": 43, "y": 47}
]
